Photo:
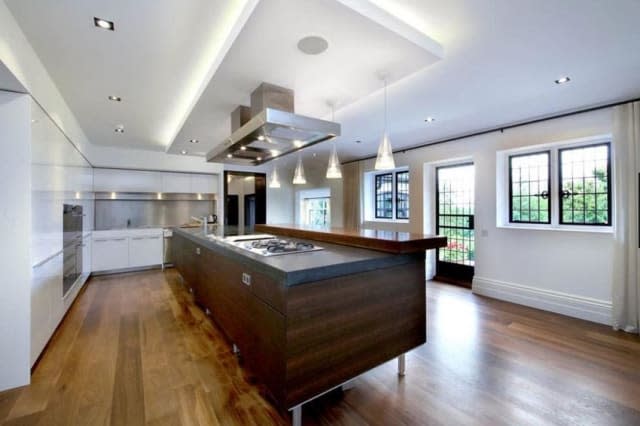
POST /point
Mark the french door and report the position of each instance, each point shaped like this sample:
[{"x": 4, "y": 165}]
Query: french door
[{"x": 455, "y": 220}]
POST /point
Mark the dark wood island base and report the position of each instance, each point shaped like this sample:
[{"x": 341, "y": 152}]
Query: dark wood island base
[{"x": 305, "y": 338}]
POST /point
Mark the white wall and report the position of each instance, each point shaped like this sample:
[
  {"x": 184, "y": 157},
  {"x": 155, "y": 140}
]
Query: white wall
[
  {"x": 15, "y": 228},
  {"x": 315, "y": 173},
  {"x": 567, "y": 272}
]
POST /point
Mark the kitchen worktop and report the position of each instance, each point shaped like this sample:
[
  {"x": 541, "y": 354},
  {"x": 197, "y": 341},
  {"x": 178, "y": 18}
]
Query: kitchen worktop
[
  {"x": 297, "y": 268},
  {"x": 387, "y": 241}
]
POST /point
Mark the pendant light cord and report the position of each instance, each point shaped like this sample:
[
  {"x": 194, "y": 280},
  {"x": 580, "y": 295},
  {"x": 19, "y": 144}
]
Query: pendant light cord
[{"x": 385, "y": 105}]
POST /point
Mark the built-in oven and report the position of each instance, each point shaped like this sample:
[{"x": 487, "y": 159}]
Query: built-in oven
[{"x": 71, "y": 245}]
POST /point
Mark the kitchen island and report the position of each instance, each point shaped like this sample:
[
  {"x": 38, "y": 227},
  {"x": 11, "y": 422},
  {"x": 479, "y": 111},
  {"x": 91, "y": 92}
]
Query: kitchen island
[{"x": 308, "y": 322}]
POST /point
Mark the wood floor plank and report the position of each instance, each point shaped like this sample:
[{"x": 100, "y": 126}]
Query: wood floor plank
[
  {"x": 134, "y": 349},
  {"x": 128, "y": 406}
]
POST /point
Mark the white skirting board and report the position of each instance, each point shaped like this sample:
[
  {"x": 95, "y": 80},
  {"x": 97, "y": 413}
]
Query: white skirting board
[{"x": 554, "y": 301}]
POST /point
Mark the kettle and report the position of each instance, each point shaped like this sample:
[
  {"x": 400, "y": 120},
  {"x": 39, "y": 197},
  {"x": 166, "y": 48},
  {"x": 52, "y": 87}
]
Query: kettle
[{"x": 212, "y": 218}]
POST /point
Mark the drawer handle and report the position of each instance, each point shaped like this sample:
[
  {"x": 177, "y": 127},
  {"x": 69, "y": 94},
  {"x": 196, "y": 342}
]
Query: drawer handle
[
  {"x": 137, "y": 238},
  {"x": 100, "y": 241},
  {"x": 119, "y": 239},
  {"x": 153, "y": 238}
]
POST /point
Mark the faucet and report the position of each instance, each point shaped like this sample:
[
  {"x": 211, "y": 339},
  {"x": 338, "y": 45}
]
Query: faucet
[{"x": 204, "y": 225}]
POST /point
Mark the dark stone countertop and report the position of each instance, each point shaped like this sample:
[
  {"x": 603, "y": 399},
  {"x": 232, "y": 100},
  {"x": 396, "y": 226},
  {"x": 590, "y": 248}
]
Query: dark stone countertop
[{"x": 298, "y": 268}]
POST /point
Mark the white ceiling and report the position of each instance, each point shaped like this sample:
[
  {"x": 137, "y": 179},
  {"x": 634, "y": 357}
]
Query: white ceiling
[
  {"x": 359, "y": 50},
  {"x": 501, "y": 60}
]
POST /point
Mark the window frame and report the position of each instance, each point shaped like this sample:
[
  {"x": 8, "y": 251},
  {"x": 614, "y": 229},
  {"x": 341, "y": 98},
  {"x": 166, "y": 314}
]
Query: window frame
[
  {"x": 375, "y": 195},
  {"x": 609, "y": 184},
  {"x": 502, "y": 214},
  {"x": 396, "y": 192},
  {"x": 510, "y": 183}
]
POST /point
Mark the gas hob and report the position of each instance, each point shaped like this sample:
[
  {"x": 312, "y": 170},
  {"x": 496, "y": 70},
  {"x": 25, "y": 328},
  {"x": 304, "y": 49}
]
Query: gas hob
[{"x": 269, "y": 245}]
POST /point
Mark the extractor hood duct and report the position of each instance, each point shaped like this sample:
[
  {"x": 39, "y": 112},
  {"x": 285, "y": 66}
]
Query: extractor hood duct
[{"x": 269, "y": 129}]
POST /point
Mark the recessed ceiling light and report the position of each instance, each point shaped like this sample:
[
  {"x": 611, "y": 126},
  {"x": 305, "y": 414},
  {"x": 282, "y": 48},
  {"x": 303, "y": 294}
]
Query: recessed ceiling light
[
  {"x": 298, "y": 143},
  {"x": 275, "y": 152},
  {"x": 429, "y": 119},
  {"x": 243, "y": 148},
  {"x": 229, "y": 155},
  {"x": 194, "y": 140},
  {"x": 119, "y": 129},
  {"x": 259, "y": 158},
  {"x": 313, "y": 45},
  {"x": 115, "y": 98},
  {"x": 563, "y": 80},
  {"x": 260, "y": 138},
  {"x": 184, "y": 152},
  {"x": 103, "y": 23}
]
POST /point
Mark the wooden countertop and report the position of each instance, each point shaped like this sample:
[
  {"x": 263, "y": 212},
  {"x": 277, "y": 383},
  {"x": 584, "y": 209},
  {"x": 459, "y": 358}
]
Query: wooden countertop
[{"x": 387, "y": 241}]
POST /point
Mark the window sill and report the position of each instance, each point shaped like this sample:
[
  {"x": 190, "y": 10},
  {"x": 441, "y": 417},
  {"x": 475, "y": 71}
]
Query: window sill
[
  {"x": 561, "y": 228},
  {"x": 388, "y": 220}
]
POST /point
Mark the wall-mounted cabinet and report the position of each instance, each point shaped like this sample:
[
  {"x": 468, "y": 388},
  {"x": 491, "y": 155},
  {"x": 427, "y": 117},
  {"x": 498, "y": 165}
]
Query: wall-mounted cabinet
[{"x": 116, "y": 180}]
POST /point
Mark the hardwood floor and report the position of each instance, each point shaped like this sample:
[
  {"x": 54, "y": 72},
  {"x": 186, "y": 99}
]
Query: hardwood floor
[{"x": 135, "y": 350}]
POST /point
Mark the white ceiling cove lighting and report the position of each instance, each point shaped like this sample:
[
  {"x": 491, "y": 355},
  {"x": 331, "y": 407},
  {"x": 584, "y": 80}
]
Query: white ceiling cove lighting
[
  {"x": 274, "y": 181},
  {"x": 563, "y": 80},
  {"x": 429, "y": 120},
  {"x": 184, "y": 152},
  {"x": 103, "y": 23},
  {"x": 334, "y": 170},
  {"x": 219, "y": 43},
  {"x": 298, "y": 175},
  {"x": 384, "y": 160}
]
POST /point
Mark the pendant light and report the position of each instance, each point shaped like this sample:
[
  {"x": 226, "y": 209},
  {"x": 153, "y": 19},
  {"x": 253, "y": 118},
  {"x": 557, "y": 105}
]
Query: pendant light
[
  {"x": 298, "y": 175},
  {"x": 384, "y": 160},
  {"x": 334, "y": 170},
  {"x": 274, "y": 182}
]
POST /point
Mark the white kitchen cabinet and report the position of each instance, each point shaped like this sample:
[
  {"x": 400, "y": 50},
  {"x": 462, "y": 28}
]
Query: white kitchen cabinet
[
  {"x": 204, "y": 184},
  {"x": 145, "y": 250},
  {"x": 116, "y": 180},
  {"x": 176, "y": 182},
  {"x": 46, "y": 293},
  {"x": 86, "y": 255},
  {"x": 110, "y": 253}
]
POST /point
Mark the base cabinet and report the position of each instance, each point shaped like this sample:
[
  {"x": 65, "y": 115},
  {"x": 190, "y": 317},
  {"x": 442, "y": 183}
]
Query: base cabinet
[
  {"x": 121, "y": 249},
  {"x": 110, "y": 253},
  {"x": 144, "y": 251}
]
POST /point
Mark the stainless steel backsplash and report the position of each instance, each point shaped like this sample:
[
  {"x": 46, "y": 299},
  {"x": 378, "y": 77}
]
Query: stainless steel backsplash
[{"x": 114, "y": 214}]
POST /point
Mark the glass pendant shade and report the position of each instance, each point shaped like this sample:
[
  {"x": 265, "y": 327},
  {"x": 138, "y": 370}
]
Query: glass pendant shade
[
  {"x": 298, "y": 175},
  {"x": 274, "y": 182},
  {"x": 334, "y": 170},
  {"x": 384, "y": 160}
]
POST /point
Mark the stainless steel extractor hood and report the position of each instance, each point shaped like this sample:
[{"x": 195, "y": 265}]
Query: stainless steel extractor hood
[{"x": 269, "y": 129}]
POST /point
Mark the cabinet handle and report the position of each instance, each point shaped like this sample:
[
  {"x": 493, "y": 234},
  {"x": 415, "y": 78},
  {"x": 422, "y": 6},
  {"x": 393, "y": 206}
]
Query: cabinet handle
[
  {"x": 137, "y": 238},
  {"x": 153, "y": 238},
  {"x": 100, "y": 241},
  {"x": 197, "y": 250},
  {"x": 119, "y": 239}
]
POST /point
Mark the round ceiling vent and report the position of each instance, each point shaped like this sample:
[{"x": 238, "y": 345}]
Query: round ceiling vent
[{"x": 313, "y": 45}]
